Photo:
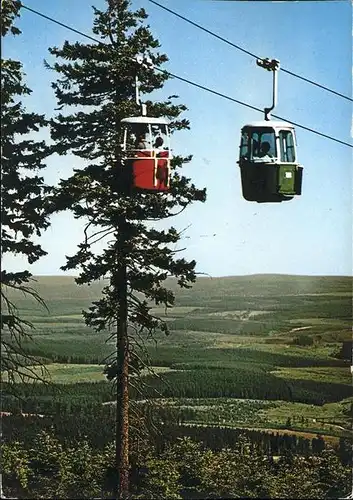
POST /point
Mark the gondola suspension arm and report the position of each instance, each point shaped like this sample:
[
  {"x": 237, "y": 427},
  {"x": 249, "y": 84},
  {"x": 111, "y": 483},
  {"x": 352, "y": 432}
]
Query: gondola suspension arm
[
  {"x": 146, "y": 62},
  {"x": 273, "y": 66}
]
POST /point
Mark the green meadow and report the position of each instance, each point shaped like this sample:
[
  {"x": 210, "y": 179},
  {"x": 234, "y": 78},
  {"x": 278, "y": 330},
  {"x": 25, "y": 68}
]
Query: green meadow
[{"x": 254, "y": 351}]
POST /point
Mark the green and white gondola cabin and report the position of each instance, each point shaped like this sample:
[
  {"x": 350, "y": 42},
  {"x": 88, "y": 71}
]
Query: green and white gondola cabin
[{"x": 268, "y": 163}]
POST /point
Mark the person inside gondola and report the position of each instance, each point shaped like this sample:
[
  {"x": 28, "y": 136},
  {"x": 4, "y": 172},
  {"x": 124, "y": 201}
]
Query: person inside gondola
[
  {"x": 158, "y": 143},
  {"x": 162, "y": 173},
  {"x": 255, "y": 148},
  {"x": 265, "y": 151},
  {"x": 141, "y": 142}
]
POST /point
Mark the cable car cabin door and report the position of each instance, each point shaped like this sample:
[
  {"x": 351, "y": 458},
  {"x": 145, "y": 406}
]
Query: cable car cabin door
[
  {"x": 289, "y": 179},
  {"x": 151, "y": 171},
  {"x": 290, "y": 173}
]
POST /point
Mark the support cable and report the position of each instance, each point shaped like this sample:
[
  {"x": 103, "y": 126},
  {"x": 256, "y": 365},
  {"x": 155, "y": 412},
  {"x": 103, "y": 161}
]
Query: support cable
[
  {"x": 197, "y": 85},
  {"x": 247, "y": 51}
]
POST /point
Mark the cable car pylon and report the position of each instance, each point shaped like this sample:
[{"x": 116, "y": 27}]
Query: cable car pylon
[{"x": 268, "y": 163}]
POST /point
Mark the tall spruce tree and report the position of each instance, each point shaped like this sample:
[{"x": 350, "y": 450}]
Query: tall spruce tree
[
  {"x": 100, "y": 79},
  {"x": 23, "y": 211}
]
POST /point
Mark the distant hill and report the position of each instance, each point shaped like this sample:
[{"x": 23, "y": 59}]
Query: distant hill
[
  {"x": 215, "y": 312},
  {"x": 62, "y": 294},
  {"x": 54, "y": 287}
]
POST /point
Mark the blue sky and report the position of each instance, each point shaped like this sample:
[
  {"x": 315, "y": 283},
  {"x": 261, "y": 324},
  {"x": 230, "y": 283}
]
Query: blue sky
[{"x": 227, "y": 235}]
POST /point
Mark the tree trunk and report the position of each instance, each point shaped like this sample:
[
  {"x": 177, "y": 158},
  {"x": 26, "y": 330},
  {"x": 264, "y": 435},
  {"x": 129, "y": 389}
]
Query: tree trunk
[{"x": 122, "y": 412}]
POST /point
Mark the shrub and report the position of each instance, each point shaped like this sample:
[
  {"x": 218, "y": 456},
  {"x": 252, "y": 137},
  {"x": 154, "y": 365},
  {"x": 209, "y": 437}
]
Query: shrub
[{"x": 303, "y": 340}]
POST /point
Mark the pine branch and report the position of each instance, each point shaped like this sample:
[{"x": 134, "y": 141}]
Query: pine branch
[{"x": 24, "y": 202}]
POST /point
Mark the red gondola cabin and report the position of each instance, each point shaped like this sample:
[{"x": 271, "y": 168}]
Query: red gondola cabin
[{"x": 147, "y": 154}]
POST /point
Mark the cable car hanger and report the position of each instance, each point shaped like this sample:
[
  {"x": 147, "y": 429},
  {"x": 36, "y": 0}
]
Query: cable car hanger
[
  {"x": 268, "y": 162},
  {"x": 147, "y": 63},
  {"x": 273, "y": 66}
]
